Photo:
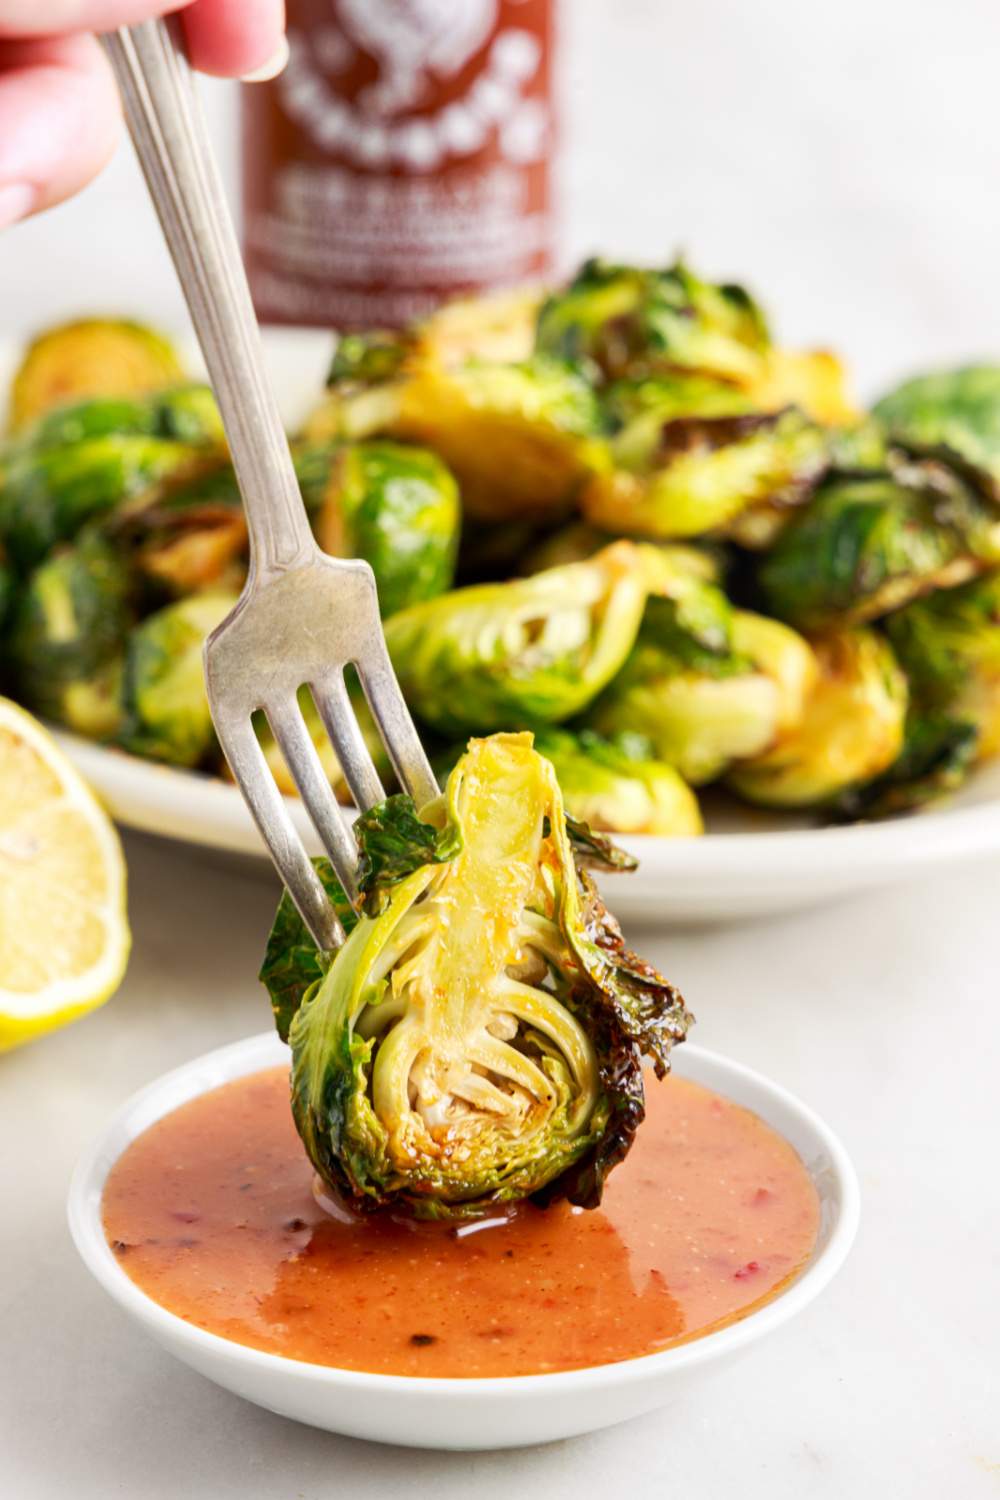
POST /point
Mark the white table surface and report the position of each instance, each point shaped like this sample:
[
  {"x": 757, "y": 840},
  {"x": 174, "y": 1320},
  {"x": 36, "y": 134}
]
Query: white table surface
[{"x": 882, "y": 1013}]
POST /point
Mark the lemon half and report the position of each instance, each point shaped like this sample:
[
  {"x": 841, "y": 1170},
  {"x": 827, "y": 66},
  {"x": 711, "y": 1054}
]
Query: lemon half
[{"x": 64, "y": 937}]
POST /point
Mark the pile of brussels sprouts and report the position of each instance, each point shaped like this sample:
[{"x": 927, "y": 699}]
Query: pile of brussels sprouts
[{"x": 618, "y": 516}]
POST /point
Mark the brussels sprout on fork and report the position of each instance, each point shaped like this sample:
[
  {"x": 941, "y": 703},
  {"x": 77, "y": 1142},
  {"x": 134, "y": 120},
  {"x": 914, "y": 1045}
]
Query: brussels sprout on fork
[{"x": 479, "y": 1037}]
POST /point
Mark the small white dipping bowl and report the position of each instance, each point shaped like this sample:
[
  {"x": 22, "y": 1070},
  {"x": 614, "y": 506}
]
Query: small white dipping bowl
[{"x": 503, "y": 1412}]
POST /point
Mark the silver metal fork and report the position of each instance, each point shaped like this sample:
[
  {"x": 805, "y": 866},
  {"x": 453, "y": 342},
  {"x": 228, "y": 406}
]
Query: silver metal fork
[{"x": 303, "y": 616}]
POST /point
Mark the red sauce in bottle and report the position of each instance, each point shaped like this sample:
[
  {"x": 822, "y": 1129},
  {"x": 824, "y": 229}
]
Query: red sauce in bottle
[{"x": 403, "y": 157}]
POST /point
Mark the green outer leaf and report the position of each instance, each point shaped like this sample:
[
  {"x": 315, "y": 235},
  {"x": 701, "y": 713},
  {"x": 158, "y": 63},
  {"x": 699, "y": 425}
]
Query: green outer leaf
[
  {"x": 950, "y": 412},
  {"x": 292, "y": 962},
  {"x": 867, "y": 544},
  {"x": 393, "y": 842}
]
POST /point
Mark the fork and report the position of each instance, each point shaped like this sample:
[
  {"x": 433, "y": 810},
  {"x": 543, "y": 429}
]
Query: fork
[{"x": 303, "y": 617}]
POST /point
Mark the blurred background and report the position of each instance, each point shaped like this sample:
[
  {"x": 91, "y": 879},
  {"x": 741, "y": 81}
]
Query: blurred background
[{"x": 841, "y": 160}]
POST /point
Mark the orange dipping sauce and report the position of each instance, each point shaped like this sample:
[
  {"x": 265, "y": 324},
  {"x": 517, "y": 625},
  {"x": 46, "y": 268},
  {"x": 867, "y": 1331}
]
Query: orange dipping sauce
[{"x": 211, "y": 1212}]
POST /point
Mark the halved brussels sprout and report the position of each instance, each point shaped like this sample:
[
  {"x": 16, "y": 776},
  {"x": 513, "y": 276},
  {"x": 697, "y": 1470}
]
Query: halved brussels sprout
[
  {"x": 632, "y": 321},
  {"x": 695, "y": 455},
  {"x": 867, "y": 544},
  {"x": 187, "y": 413},
  {"x": 328, "y": 756},
  {"x": 479, "y": 1037},
  {"x": 520, "y": 439},
  {"x": 951, "y": 413},
  {"x": 949, "y": 646},
  {"x": 166, "y": 714},
  {"x": 67, "y": 635},
  {"x": 46, "y": 496},
  {"x": 851, "y": 731},
  {"x": 91, "y": 357},
  {"x": 395, "y": 506},
  {"x": 535, "y": 650},
  {"x": 707, "y": 685},
  {"x": 618, "y": 786}
]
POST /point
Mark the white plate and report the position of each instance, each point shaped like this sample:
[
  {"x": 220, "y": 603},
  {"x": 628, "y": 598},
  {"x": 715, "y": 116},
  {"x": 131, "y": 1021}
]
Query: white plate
[
  {"x": 750, "y": 865},
  {"x": 475, "y": 1413},
  {"x": 753, "y": 871}
]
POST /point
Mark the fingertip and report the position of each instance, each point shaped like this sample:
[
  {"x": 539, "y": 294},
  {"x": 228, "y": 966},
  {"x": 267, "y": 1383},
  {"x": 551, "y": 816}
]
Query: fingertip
[
  {"x": 59, "y": 120},
  {"x": 237, "y": 38}
]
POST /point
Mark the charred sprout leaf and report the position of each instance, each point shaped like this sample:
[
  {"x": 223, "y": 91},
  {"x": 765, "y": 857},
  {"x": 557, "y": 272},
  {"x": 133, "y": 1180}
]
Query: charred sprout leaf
[
  {"x": 935, "y": 759},
  {"x": 693, "y": 456},
  {"x": 480, "y": 1040},
  {"x": 93, "y": 357},
  {"x": 865, "y": 545},
  {"x": 393, "y": 842},
  {"x": 292, "y": 962},
  {"x": 535, "y": 650},
  {"x": 632, "y": 322},
  {"x": 595, "y": 851},
  {"x": 166, "y": 706},
  {"x": 951, "y": 413},
  {"x": 851, "y": 729},
  {"x": 396, "y": 507},
  {"x": 67, "y": 636}
]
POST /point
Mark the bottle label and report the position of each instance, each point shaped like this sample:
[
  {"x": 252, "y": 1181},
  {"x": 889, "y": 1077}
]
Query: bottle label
[{"x": 402, "y": 157}]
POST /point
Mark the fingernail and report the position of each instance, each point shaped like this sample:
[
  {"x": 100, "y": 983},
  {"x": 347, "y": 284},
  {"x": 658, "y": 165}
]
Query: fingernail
[
  {"x": 274, "y": 65},
  {"x": 16, "y": 200}
]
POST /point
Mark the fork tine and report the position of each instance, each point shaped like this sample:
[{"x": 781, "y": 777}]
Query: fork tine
[
  {"x": 306, "y": 769},
  {"x": 392, "y": 717},
  {"x": 250, "y": 769},
  {"x": 333, "y": 702}
]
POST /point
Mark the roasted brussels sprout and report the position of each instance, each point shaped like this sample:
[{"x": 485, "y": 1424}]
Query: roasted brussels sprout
[
  {"x": 93, "y": 357},
  {"x": 867, "y": 544},
  {"x": 519, "y": 438},
  {"x": 535, "y": 650},
  {"x": 166, "y": 715},
  {"x": 954, "y": 414},
  {"x": 949, "y": 647},
  {"x": 46, "y": 496},
  {"x": 617, "y": 785},
  {"x": 707, "y": 685},
  {"x": 851, "y": 730},
  {"x": 479, "y": 1037},
  {"x": 67, "y": 635},
  {"x": 693, "y": 455},
  {"x": 632, "y": 322},
  {"x": 395, "y": 506}
]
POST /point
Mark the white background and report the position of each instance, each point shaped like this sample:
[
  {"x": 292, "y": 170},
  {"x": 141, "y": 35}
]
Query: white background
[{"x": 844, "y": 160}]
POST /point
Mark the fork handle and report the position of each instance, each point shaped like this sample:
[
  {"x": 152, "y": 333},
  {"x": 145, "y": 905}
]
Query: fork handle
[{"x": 168, "y": 130}]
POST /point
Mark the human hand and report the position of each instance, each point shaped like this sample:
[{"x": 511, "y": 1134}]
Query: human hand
[{"x": 59, "y": 110}]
